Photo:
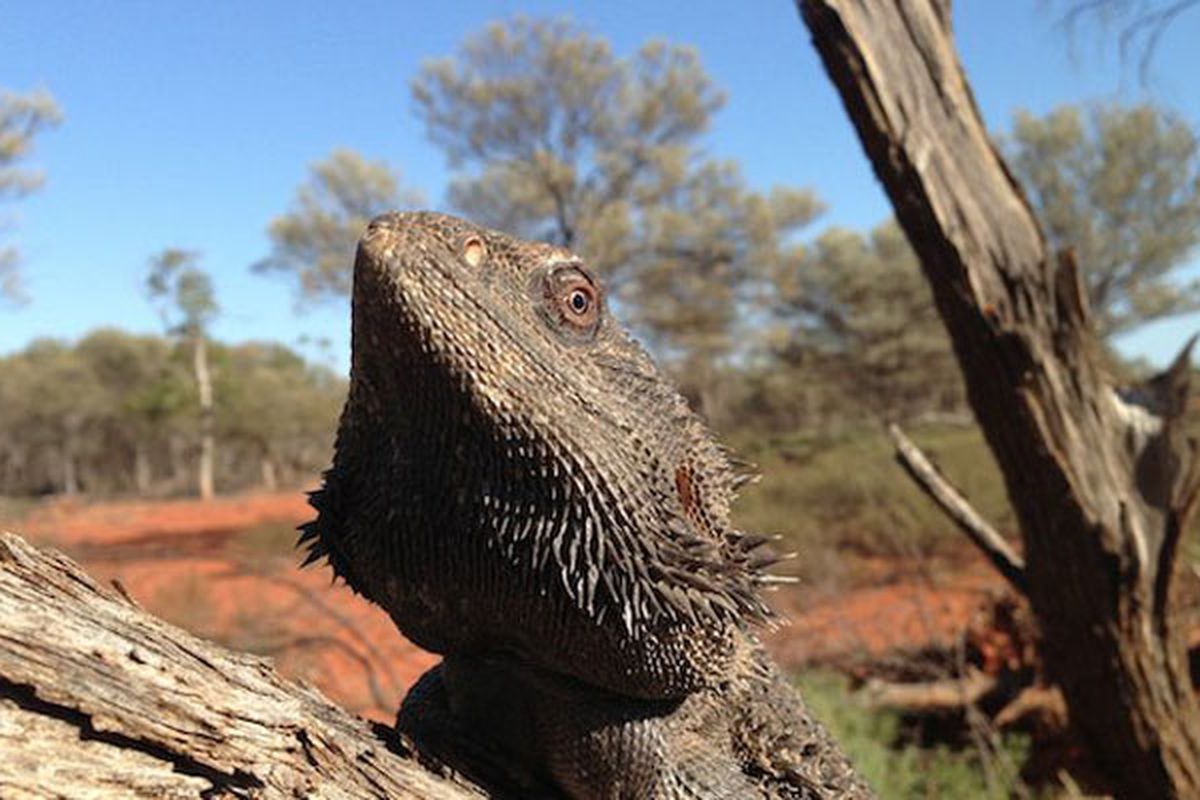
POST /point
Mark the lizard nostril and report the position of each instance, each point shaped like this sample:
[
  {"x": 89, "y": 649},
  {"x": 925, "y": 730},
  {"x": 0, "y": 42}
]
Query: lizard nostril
[
  {"x": 388, "y": 219},
  {"x": 473, "y": 251}
]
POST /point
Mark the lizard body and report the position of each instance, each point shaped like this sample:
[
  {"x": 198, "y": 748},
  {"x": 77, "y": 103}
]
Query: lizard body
[{"x": 519, "y": 488}]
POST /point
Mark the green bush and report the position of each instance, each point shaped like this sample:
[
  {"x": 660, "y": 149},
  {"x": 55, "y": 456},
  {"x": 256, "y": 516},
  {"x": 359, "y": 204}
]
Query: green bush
[
  {"x": 848, "y": 492},
  {"x": 900, "y": 770}
]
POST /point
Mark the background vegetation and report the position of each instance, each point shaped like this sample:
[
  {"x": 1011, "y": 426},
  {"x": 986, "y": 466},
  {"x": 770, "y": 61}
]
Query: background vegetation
[{"x": 797, "y": 345}]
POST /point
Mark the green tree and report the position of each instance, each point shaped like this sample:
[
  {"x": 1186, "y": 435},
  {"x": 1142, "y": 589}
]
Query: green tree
[
  {"x": 146, "y": 396},
  {"x": 279, "y": 409},
  {"x": 562, "y": 132},
  {"x": 857, "y": 316},
  {"x": 315, "y": 239},
  {"x": 118, "y": 412},
  {"x": 58, "y": 406},
  {"x": 556, "y": 138},
  {"x": 22, "y": 118},
  {"x": 1121, "y": 186},
  {"x": 183, "y": 293}
]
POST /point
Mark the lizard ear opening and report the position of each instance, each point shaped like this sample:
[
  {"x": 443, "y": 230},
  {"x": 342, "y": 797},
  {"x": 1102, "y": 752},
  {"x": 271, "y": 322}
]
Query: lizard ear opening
[
  {"x": 690, "y": 490},
  {"x": 683, "y": 487}
]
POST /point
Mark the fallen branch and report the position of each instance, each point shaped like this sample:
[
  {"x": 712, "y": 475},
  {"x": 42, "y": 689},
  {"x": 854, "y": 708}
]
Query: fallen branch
[
  {"x": 951, "y": 501},
  {"x": 98, "y": 698},
  {"x": 952, "y": 694}
]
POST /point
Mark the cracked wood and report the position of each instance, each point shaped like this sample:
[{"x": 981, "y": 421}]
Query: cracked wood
[{"x": 98, "y": 698}]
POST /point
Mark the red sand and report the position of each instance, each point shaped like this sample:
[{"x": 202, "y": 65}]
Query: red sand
[
  {"x": 902, "y": 615},
  {"x": 179, "y": 559}
]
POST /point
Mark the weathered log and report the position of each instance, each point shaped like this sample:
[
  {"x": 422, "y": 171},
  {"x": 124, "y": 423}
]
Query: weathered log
[
  {"x": 100, "y": 699},
  {"x": 1102, "y": 483}
]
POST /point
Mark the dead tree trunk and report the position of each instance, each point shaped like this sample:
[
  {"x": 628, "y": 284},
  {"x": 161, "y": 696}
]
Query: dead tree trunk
[
  {"x": 1102, "y": 485},
  {"x": 204, "y": 473},
  {"x": 141, "y": 469},
  {"x": 100, "y": 699}
]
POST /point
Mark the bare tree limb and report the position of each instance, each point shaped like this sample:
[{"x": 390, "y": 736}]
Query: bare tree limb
[
  {"x": 100, "y": 699},
  {"x": 956, "y": 507},
  {"x": 1141, "y": 24},
  {"x": 951, "y": 694},
  {"x": 1045, "y": 702}
]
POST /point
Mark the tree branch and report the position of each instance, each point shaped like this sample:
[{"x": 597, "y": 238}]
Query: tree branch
[
  {"x": 99, "y": 696},
  {"x": 956, "y": 507},
  {"x": 951, "y": 694}
]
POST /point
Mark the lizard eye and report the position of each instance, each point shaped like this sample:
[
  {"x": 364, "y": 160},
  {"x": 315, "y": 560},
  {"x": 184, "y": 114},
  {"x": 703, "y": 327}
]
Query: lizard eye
[
  {"x": 572, "y": 300},
  {"x": 580, "y": 301}
]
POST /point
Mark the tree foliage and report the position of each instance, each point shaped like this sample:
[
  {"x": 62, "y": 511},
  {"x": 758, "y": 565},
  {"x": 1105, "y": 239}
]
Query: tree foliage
[
  {"x": 856, "y": 319},
  {"x": 557, "y": 138},
  {"x": 562, "y": 132},
  {"x": 1140, "y": 24},
  {"x": 315, "y": 240},
  {"x": 22, "y": 118},
  {"x": 1121, "y": 186},
  {"x": 117, "y": 413},
  {"x": 181, "y": 291},
  {"x": 276, "y": 409}
]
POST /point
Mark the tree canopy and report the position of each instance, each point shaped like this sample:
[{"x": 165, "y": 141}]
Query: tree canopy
[
  {"x": 1120, "y": 185},
  {"x": 856, "y": 310},
  {"x": 22, "y": 118},
  {"x": 118, "y": 412},
  {"x": 181, "y": 291},
  {"x": 557, "y": 138},
  {"x": 315, "y": 239}
]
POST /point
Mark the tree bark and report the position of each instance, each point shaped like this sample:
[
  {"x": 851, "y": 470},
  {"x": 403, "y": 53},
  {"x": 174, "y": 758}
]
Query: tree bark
[
  {"x": 141, "y": 469},
  {"x": 270, "y": 476},
  {"x": 180, "y": 475},
  {"x": 1102, "y": 484},
  {"x": 207, "y": 435},
  {"x": 70, "y": 450},
  {"x": 100, "y": 699}
]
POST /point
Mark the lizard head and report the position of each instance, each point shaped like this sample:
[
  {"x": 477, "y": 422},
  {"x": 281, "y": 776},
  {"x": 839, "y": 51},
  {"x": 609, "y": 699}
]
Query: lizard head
[{"x": 493, "y": 391}]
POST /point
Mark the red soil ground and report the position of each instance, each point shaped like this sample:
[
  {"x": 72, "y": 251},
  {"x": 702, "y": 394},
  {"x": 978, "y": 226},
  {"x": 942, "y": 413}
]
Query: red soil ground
[{"x": 224, "y": 570}]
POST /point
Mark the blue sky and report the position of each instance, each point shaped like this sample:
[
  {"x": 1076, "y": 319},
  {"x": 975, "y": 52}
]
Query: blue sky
[{"x": 191, "y": 125}]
